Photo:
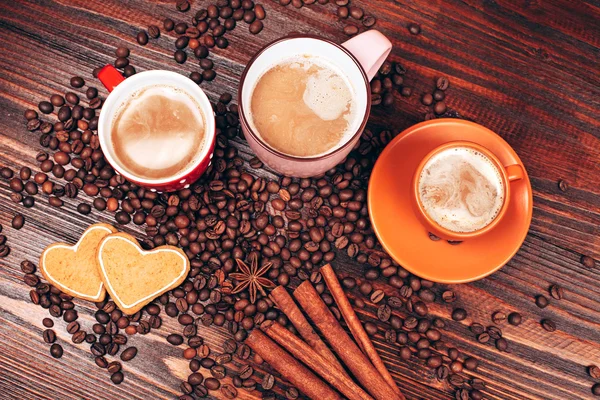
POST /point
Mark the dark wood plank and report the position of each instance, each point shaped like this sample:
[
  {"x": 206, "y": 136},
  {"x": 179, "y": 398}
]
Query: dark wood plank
[{"x": 526, "y": 69}]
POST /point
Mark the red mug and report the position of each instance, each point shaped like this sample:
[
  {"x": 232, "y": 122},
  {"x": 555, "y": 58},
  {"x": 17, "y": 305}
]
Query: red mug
[{"x": 120, "y": 89}]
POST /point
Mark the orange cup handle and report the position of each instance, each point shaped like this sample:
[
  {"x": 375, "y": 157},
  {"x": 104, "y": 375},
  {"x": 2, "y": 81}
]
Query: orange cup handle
[{"x": 514, "y": 172}]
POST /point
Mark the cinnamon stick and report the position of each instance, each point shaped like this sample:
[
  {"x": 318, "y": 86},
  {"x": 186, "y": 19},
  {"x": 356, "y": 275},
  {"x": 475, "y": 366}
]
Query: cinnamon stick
[
  {"x": 290, "y": 368},
  {"x": 354, "y": 324},
  {"x": 342, "y": 344},
  {"x": 314, "y": 361},
  {"x": 284, "y": 301}
]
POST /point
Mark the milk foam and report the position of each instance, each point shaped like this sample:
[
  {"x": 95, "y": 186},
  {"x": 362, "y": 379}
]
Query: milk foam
[
  {"x": 461, "y": 189},
  {"x": 159, "y": 136},
  {"x": 329, "y": 94}
]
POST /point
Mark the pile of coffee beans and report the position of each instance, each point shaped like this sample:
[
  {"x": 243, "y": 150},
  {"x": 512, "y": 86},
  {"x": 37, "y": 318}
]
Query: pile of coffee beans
[
  {"x": 207, "y": 29},
  {"x": 435, "y": 100},
  {"x": 389, "y": 79},
  {"x": 231, "y": 213},
  {"x": 354, "y": 18}
]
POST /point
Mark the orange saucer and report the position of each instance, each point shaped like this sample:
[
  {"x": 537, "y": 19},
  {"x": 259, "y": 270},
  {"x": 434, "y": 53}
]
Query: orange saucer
[{"x": 407, "y": 241}]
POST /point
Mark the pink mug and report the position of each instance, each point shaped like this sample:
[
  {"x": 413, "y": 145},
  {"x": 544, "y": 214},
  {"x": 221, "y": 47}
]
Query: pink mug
[
  {"x": 121, "y": 89},
  {"x": 358, "y": 59}
]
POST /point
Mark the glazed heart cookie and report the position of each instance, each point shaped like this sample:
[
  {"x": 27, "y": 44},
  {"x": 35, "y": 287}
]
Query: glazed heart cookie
[
  {"x": 72, "y": 268},
  {"x": 134, "y": 277}
]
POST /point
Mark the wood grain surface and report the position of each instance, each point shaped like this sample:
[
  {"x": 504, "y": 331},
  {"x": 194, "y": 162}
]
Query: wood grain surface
[{"x": 527, "y": 69}]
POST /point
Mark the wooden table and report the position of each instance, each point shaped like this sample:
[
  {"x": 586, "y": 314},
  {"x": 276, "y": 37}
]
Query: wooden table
[{"x": 527, "y": 69}]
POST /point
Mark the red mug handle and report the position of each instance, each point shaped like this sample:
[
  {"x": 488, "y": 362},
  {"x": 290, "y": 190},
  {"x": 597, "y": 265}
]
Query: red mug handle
[{"x": 110, "y": 77}]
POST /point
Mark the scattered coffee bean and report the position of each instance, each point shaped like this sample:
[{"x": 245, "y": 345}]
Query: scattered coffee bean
[
  {"x": 514, "y": 318},
  {"x": 18, "y": 221},
  {"x": 56, "y": 350},
  {"x": 541, "y": 301},
  {"x": 587, "y": 261},
  {"x": 498, "y": 317},
  {"x": 548, "y": 325},
  {"x": 128, "y": 354},
  {"x": 459, "y": 314},
  {"x": 142, "y": 38},
  {"x": 414, "y": 29},
  {"x": 77, "y": 82},
  {"x": 557, "y": 292}
]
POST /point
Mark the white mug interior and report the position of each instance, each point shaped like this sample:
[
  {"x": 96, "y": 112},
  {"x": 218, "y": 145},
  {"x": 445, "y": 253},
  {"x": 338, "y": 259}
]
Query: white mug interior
[
  {"x": 135, "y": 83},
  {"x": 324, "y": 51}
]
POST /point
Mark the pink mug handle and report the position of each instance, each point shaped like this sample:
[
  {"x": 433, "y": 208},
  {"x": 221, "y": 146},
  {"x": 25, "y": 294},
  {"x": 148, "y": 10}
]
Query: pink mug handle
[{"x": 371, "y": 49}]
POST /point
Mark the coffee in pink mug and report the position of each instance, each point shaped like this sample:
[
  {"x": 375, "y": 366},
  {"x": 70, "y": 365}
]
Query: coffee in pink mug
[{"x": 304, "y": 100}]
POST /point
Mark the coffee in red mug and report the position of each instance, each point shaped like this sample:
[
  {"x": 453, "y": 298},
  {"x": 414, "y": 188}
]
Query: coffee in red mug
[{"x": 156, "y": 128}]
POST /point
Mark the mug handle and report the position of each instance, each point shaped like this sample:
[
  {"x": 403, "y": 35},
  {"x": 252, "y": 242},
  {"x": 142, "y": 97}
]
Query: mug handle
[
  {"x": 371, "y": 49},
  {"x": 514, "y": 172},
  {"x": 110, "y": 77}
]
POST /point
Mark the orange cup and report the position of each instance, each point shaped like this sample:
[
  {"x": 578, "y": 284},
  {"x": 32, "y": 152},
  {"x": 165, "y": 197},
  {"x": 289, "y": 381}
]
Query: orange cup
[{"x": 508, "y": 174}]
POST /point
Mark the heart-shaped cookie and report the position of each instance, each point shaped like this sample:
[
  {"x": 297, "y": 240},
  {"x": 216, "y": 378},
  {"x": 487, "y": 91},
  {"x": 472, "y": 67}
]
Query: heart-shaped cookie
[
  {"x": 72, "y": 268},
  {"x": 133, "y": 276}
]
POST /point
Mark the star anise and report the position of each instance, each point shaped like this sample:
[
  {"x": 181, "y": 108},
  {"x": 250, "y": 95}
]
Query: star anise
[{"x": 251, "y": 278}]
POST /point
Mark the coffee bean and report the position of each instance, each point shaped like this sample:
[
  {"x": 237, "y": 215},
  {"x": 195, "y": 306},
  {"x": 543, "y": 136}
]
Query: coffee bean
[
  {"x": 498, "y": 317},
  {"x": 427, "y": 99},
  {"x": 195, "y": 379},
  {"x": 154, "y": 31},
  {"x": 218, "y": 371},
  {"x": 514, "y": 318},
  {"x": 501, "y": 344},
  {"x": 56, "y": 350},
  {"x": 70, "y": 315},
  {"x": 78, "y": 337},
  {"x": 414, "y": 29},
  {"x": 180, "y": 56},
  {"x": 459, "y": 314},
  {"x": 189, "y": 353},
  {"x": 259, "y": 10},
  {"x": 30, "y": 114},
  {"x": 182, "y": 5},
  {"x": 129, "y": 353},
  {"x": 548, "y": 325},
  {"x": 476, "y": 328},
  {"x": 596, "y": 389},
  {"x": 228, "y": 391},
  {"x": 49, "y": 336},
  {"x": 356, "y": 12},
  {"x": 470, "y": 364},
  {"x": 117, "y": 378},
  {"x": 594, "y": 371},
  {"x": 73, "y": 327},
  {"x": 212, "y": 384},
  {"x": 18, "y": 221},
  {"x": 77, "y": 82},
  {"x": 292, "y": 393},
  {"x": 175, "y": 339},
  {"x": 16, "y": 185},
  {"x": 47, "y": 322},
  {"x": 350, "y": 30},
  {"x": 45, "y": 107},
  {"x": 494, "y": 332},
  {"x": 556, "y": 292},
  {"x": 439, "y": 108},
  {"x": 142, "y": 38},
  {"x": 405, "y": 353},
  {"x": 587, "y": 261},
  {"x": 541, "y": 301},
  {"x": 208, "y": 75},
  {"x": 483, "y": 337},
  {"x": 442, "y": 83},
  {"x": 255, "y": 27}
]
